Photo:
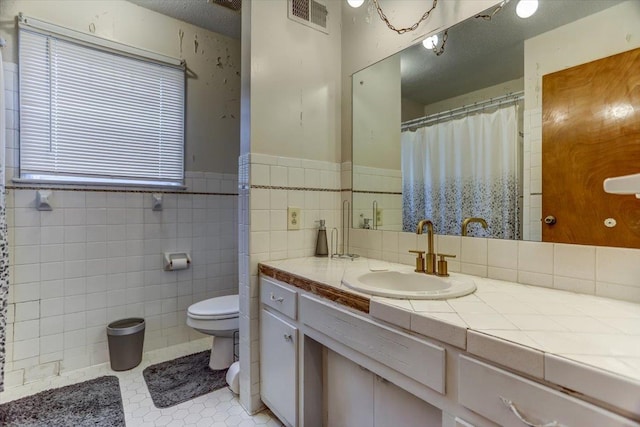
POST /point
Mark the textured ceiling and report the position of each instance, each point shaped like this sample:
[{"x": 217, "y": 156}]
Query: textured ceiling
[
  {"x": 478, "y": 53},
  {"x": 482, "y": 53},
  {"x": 202, "y": 13}
]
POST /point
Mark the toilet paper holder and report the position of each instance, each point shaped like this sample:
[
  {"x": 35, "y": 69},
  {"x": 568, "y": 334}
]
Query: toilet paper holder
[{"x": 176, "y": 261}]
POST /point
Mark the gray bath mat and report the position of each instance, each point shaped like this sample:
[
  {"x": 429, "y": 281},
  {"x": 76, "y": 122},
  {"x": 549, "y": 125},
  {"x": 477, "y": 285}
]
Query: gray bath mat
[
  {"x": 182, "y": 379},
  {"x": 95, "y": 402}
]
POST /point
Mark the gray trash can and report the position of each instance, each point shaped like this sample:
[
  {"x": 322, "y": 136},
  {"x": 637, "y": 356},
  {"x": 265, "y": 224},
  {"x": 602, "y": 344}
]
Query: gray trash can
[{"x": 126, "y": 338}]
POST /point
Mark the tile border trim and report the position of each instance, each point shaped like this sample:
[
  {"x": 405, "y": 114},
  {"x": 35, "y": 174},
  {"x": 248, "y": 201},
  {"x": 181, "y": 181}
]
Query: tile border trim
[
  {"x": 114, "y": 190},
  {"x": 395, "y": 193},
  {"x": 277, "y": 187}
]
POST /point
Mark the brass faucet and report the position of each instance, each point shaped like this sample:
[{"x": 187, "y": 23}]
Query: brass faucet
[
  {"x": 430, "y": 256},
  {"x": 466, "y": 222}
]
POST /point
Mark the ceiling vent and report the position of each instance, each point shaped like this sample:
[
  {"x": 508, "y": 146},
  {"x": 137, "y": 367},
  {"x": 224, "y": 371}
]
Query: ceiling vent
[{"x": 312, "y": 13}]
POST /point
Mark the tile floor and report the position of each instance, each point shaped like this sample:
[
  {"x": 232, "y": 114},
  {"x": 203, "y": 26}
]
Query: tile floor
[{"x": 220, "y": 408}]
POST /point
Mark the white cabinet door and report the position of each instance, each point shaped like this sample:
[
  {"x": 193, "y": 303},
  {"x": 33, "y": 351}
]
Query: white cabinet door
[
  {"x": 278, "y": 367},
  {"x": 396, "y": 407},
  {"x": 349, "y": 392}
]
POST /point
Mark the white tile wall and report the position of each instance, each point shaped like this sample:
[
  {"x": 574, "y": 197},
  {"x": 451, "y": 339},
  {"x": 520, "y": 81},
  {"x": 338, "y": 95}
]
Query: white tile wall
[
  {"x": 97, "y": 257},
  {"x": 298, "y": 182},
  {"x": 249, "y": 356},
  {"x": 69, "y": 281},
  {"x": 312, "y": 186},
  {"x": 532, "y": 175},
  {"x": 376, "y": 179}
]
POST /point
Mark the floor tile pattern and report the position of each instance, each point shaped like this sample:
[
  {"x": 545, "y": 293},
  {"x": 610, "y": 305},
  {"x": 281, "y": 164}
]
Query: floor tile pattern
[{"x": 220, "y": 408}]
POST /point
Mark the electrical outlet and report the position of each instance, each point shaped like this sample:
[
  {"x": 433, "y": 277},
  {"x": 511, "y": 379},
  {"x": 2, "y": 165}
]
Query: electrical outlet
[
  {"x": 293, "y": 218},
  {"x": 378, "y": 216}
]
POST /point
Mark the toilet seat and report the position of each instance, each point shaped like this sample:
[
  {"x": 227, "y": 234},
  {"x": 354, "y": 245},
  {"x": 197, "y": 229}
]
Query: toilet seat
[{"x": 219, "y": 308}]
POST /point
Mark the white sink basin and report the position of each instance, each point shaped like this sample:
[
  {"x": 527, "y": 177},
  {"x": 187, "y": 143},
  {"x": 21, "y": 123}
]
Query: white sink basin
[{"x": 408, "y": 284}]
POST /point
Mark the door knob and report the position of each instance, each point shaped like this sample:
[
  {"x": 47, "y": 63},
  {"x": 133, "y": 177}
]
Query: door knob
[{"x": 550, "y": 220}]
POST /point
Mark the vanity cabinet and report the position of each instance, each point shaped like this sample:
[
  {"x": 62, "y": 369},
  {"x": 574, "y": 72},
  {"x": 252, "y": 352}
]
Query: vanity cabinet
[
  {"x": 279, "y": 351},
  {"x": 323, "y": 364}
]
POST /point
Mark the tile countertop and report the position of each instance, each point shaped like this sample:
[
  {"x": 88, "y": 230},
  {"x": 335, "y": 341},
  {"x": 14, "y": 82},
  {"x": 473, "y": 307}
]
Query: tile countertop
[{"x": 581, "y": 342}]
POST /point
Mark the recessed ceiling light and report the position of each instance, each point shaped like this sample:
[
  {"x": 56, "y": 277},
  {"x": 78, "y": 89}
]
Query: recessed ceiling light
[
  {"x": 355, "y": 3},
  {"x": 526, "y": 8},
  {"x": 430, "y": 42}
]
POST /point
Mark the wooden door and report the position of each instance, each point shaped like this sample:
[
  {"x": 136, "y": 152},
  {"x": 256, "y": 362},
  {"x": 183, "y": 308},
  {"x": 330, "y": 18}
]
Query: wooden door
[{"x": 591, "y": 131}]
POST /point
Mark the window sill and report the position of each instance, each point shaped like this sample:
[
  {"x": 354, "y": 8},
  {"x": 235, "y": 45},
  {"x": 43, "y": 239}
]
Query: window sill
[{"x": 82, "y": 185}]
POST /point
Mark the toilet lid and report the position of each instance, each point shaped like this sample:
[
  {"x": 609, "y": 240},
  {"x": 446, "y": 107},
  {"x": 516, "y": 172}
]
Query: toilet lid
[{"x": 215, "y": 308}]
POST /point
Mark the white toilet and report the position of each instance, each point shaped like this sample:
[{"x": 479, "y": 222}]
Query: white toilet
[{"x": 217, "y": 317}]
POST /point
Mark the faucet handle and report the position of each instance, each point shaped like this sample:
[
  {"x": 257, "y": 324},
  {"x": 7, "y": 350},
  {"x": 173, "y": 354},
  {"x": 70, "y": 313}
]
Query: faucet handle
[
  {"x": 442, "y": 265},
  {"x": 419, "y": 261}
]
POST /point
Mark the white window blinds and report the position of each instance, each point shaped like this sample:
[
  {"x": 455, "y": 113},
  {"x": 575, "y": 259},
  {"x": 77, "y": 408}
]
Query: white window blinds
[{"x": 94, "y": 116}]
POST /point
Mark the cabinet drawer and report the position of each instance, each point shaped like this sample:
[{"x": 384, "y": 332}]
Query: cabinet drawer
[
  {"x": 278, "y": 297},
  {"x": 422, "y": 361},
  {"x": 500, "y": 396}
]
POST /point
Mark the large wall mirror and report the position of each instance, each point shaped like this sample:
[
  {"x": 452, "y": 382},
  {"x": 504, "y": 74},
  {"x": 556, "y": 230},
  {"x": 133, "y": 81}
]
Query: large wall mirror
[{"x": 456, "y": 134}]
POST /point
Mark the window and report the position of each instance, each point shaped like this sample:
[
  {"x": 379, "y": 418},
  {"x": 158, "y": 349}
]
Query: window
[{"x": 92, "y": 113}]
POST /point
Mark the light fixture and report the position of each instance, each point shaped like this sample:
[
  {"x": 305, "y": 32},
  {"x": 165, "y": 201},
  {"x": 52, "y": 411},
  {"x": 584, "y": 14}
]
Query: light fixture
[
  {"x": 526, "y": 8},
  {"x": 430, "y": 42},
  {"x": 355, "y": 3}
]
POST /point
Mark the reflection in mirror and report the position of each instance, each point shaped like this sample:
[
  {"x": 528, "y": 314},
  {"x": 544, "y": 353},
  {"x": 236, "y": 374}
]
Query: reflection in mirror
[
  {"x": 458, "y": 135},
  {"x": 464, "y": 167}
]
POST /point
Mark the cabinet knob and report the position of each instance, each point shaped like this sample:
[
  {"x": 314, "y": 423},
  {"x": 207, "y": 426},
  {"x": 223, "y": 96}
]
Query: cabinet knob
[
  {"x": 288, "y": 337},
  {"x": 279, "y": 299}
]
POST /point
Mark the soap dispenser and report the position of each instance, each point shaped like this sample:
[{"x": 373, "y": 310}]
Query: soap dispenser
[{"x": 322, "y": 249}]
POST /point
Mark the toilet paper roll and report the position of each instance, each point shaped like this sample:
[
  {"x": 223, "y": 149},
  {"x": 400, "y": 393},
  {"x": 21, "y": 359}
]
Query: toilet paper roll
[{"x": 179, "y": 263}]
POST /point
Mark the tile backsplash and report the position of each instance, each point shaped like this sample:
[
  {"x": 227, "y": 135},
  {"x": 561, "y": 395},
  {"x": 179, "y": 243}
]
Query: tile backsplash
[{"x": 595, "y": 270}]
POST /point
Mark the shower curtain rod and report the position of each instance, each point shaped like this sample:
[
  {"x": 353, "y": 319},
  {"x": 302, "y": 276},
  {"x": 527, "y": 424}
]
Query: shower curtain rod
[{"x": 460, "y": 111}]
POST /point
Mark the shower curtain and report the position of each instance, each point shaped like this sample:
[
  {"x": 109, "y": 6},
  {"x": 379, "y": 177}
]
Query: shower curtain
[
  {"x": 463, "y": 168},
  {"x": 4, "y": 245}
]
